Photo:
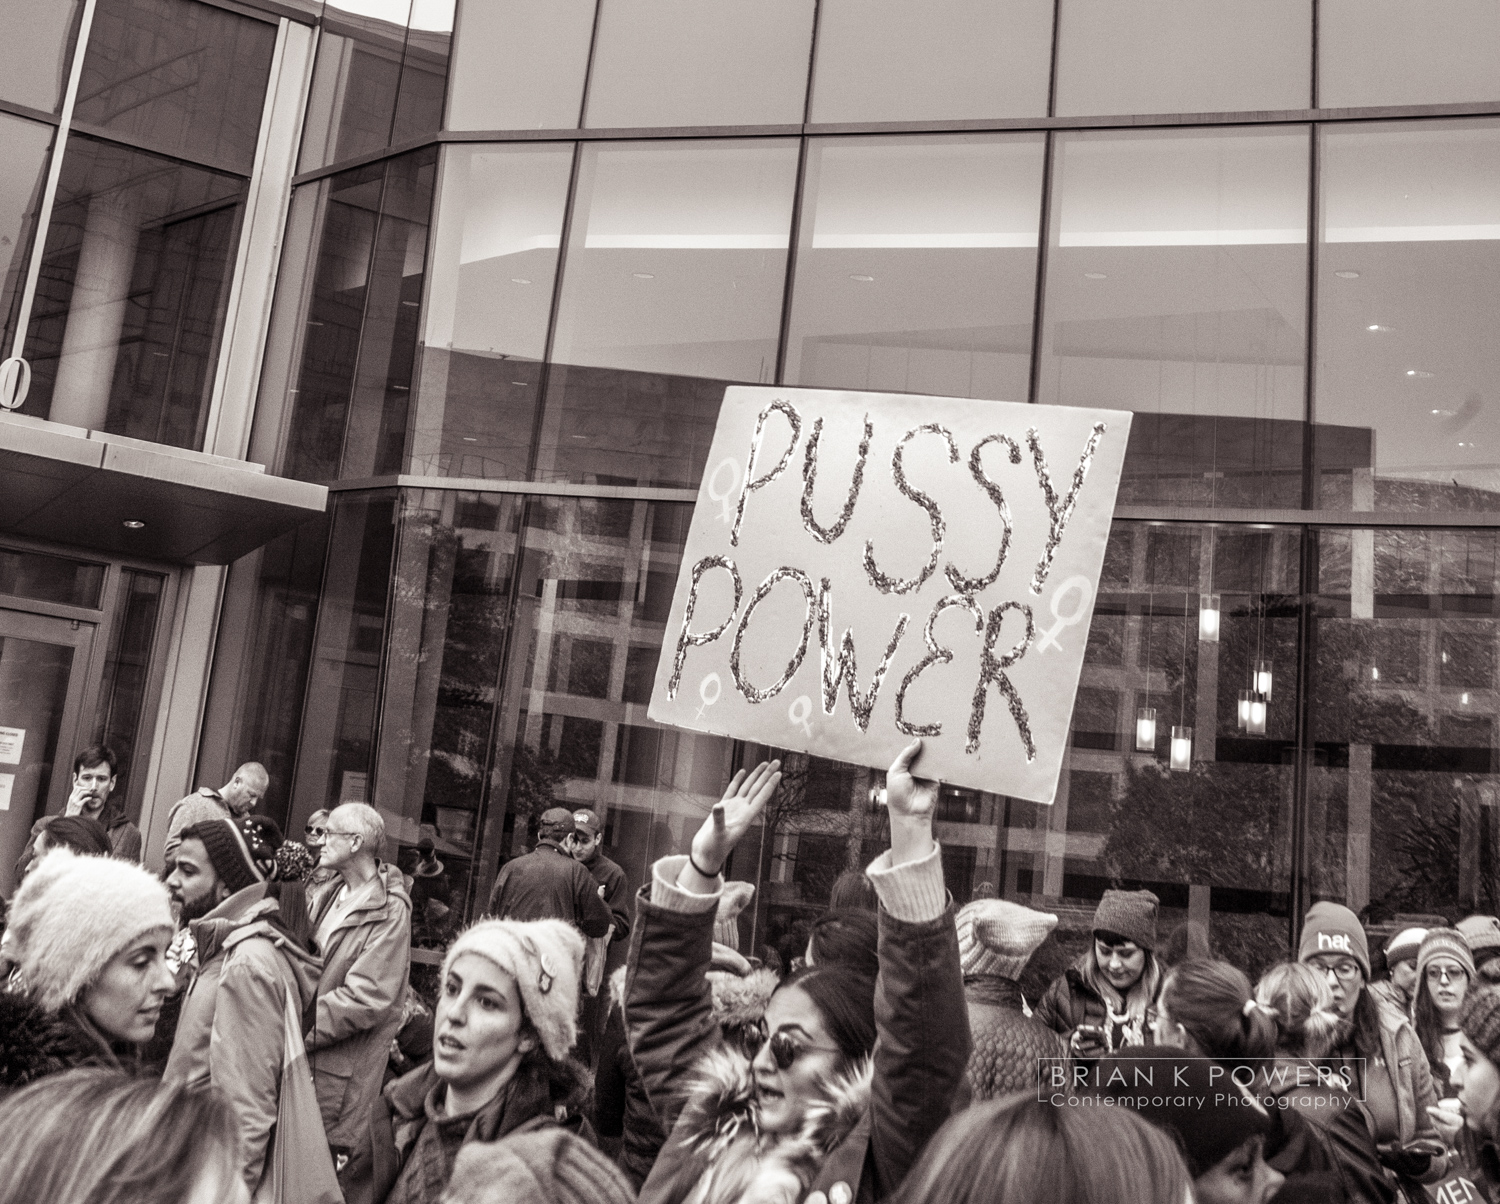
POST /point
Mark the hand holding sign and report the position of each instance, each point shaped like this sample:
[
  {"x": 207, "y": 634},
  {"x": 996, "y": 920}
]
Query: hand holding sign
[{"x": 912, "y": 803}]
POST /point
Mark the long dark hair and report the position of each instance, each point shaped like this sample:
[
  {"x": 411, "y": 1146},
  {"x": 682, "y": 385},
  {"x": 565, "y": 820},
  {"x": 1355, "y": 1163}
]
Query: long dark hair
[
  {"x": 1209, "y": 999},
  {"x": 1429, "y": 1026},
  {"x": 845, "y": 1000},
  {"x": 292, "y": 918}
]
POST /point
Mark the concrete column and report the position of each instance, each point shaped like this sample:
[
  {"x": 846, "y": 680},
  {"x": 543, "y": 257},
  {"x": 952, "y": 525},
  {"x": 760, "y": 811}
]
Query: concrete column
[
  {"x": 96, "y": 311},
  {"x": 1200, "y": 907},
  {"x": 1357, "y": 840}
]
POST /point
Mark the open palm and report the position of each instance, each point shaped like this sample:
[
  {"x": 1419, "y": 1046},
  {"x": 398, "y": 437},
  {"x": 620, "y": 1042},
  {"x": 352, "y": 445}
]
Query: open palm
[{"x": 735, "y": 814}]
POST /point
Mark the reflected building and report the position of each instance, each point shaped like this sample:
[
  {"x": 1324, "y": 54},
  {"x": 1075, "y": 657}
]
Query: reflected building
[{"x": 481, "y": 270}]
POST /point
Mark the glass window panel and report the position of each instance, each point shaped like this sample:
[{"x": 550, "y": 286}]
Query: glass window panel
[
  {"x": 1183, "y": 56},
  {"x": 682, "y": 62},
  {"x": 26, "y": 145},
  {"x": 495, "y": 254},
  {"x": 51, "y": 578},
  {"x": 917, "y": 265},
  {"x": 187, "y": 78},
  {"x": 942, "y": 60},
  {"x": 135, "y": 281},
  {"x": 355, "y": 265},
  {"x": 352, "y": 104},
  {"x": 1176, "y": 287},
  {"x": 37, "y": 51},
  {"x": 1403, "y": 704},
  {"x": 1391, "y": 52},
  {"x": 674, "y": 280},
  {"x": 424, "y": 70},
  {"x": 519, "y": 64},
  {"x": 127, "y": 677},
  {"x": 1408, "y": 289}
]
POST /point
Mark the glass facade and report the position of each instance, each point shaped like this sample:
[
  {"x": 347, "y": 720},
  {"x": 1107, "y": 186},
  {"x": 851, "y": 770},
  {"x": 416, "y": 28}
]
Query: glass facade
[{"x": 505, "y": 356}]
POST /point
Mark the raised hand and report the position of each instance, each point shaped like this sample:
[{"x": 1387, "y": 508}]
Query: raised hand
[
  {"x": 733, "y": 815},
  {"x": 912, "y": 803}
]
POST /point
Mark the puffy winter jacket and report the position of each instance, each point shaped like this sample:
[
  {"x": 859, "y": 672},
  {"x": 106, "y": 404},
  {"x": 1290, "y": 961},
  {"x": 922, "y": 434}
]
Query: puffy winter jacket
[
  {"x": 366, "y": 962},
  {"x": 1007, "y": 1042},
  {"x": 880, "y": 1117},
  {"x": 233, "y": 1020},
  {"x": 1070, "y": 1001}
]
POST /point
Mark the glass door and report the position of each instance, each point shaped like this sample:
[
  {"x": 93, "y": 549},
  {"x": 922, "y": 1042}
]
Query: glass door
[{"x": 43, "y": 667}]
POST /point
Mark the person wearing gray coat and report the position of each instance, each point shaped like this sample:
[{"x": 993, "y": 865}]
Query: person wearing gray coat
[{"x": 362, "y": 925}]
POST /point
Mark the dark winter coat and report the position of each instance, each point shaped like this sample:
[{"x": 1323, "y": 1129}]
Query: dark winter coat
[
  {"x": 1070, "y": 1001},
  {"x": 1329, "y": 1134},
  {"x": 547, "y": 884},
  {"x": 1007, "y": 1042},
  {"x": 414, "y": 1145},
  {"x": 621, "y": 1110},
  {"x": 867, "y": 1137},
  {"x": 616, "y": 894},
  {"x": 35, "y": 1043}
]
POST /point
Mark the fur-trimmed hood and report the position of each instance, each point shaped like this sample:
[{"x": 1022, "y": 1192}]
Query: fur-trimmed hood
[
  {"x": 35, "y": 1043},
  {"x": 731, "y": 1160}
]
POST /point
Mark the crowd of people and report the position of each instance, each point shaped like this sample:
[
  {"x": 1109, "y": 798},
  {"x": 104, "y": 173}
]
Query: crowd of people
[{"x": 244, "y": 1027}]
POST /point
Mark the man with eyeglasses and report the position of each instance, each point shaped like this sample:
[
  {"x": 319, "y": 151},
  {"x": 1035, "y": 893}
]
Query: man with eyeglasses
[
  {"x": 1377, "y": 1049},
  {"x": 233, "y": 800}
]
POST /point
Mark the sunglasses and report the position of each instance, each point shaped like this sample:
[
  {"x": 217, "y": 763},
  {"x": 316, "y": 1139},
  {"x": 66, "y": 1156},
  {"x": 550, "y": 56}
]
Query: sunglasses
[
  {"x": 786, "y": 1049},
  {"x": 313, "y": 830}
]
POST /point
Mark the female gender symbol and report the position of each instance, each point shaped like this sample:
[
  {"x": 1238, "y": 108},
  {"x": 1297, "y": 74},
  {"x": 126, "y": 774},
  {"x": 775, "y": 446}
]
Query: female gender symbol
[
  {"x": 1084, "y": 590},
  {"x": 718, "y": 688},
  {"x": 799, "y": 712},
  {"x": 726, "y": 511}
]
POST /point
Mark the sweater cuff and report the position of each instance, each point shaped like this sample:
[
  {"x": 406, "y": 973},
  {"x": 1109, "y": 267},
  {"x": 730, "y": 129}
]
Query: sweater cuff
[
  {"x": 666, "y": 894},
  {"x": 913, "y": 892}
]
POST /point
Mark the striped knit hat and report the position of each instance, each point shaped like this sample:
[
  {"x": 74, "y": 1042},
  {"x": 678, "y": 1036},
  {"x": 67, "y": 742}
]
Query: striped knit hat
[
  {"x": 1445, "y": 942},
  {"x": 997, "y": 937},
  {"x": 229, "y": 852},
  {"x": 1480, "y": 1019},
  {"x": 1404, "y": 946}
]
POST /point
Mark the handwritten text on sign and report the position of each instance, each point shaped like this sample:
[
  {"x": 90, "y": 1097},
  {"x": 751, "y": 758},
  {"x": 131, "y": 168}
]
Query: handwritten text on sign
[{"x": 957, "y": 543}]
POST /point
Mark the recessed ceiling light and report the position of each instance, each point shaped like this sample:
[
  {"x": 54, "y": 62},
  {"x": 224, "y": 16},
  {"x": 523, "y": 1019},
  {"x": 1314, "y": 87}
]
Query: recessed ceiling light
[
  {"x": 1377, "y": 328},
  {"x": 1417, "y": 372},
  {"x": 519, "y": 280},
  {"x": 1095, "y": 276},
  {"x": 862, "y": 279},
  {"x": 1466, "y": 445},
  {"x": 522, "y": 383},
  {"x": 470, "y": 439},
  {"x": 1444, "y": 413},
  {"x": 1347, "y": 275},
  {"x": 644, "y": 275},
  {"x": 134, "y": 524}
]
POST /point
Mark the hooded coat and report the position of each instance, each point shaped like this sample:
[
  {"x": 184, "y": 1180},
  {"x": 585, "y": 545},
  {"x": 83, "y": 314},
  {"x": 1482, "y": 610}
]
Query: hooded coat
[
  {"x": 35, "y": 1042},
  {"x": 366, "y": 961},
  {"x": 232, "y": 1025}
]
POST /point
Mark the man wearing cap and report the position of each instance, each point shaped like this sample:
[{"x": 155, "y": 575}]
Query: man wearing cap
[
  {"x": 604, "y": 953},
  {"x": 1401, "y": 960},
  {"x": 250, "y": 971},
  {"x": 547, "y": 884}
]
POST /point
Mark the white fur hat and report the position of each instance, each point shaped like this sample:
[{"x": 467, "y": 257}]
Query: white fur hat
[
  {"x": 73, "y": 914},
  {"x": 545, "y": 957},
  {"x": 998, "y": 937}
]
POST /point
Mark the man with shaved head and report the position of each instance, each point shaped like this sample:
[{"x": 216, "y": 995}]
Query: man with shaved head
[{"x": 236, "y": 798}]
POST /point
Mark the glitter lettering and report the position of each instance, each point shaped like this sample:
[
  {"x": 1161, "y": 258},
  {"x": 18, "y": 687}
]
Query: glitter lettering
[
  {"x": 809, "y": 475},
  {"x": 936, "y": 655},
  {"x": 751, "y": 693},
  {"x": 1060, "y": 512},
  {"x": 992, "y": 670},
  {"x": 973, "y": 585},
  {"x": 897, "y": 585},
  {"x": 690, "y": 639},
  {"x": 841, "y": 666},
  {"x": 752, "y": 482}
]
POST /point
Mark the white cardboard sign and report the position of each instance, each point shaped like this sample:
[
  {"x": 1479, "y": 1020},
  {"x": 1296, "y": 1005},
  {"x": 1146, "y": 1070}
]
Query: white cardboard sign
[{"x": 866, "y": 567}]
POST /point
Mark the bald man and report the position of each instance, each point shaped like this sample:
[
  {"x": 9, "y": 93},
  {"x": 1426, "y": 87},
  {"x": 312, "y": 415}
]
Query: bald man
[{"x": 234, "y": 799}]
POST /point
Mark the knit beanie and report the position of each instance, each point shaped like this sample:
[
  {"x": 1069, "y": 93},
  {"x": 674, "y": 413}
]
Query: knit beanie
[
  {"x": 1480, "y": 1019},
  {"x": 998, "y": 937},
  {"x": 1185, "y": 1096},
  {"x": 1129, "y": 913},
  {"x": 548, "y": 1166},
  {"x": 1333, "y": 928},
  {"x": 1483, "y": 935},
  {"x": 73, "y": 914},
  {"x": 733, "y": 899},
  {"x": 545, "y": 957},
  {"x": 1403, "y": 947},
  {"x": 1445, "y": 942},
  {"x": 229, "y": 854}
]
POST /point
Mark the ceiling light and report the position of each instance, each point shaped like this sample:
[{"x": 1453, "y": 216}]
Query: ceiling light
[
  {"x": 519, "y": 280},
  {"x": 863, "y": 279},
  {"x": 1347, "y": 275},
  {"x": 1444, "y": 413},
  {"x": 134, "y": 524},
  {"x": 1417, "y": 372},
  {"x": 1378, "y": 328},
  {"x": 522, "y": 383},
  {"x": 644, "y": 275},
  {"x": 470, "y": 439},
  {"x": 1095, "y": 276}
]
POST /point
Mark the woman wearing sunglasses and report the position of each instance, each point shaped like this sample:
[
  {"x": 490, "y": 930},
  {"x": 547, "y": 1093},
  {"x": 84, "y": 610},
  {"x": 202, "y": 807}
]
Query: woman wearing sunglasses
[{"x": 812, "y": 1111}]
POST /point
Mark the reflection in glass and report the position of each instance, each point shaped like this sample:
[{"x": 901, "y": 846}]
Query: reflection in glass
[
  {"x": 135, "y": 279},
  {"x": 337, "y": 379},
  {"x": 520, "y": 65},
  {"x": 1403, "y": 710},
  {"x": 917, "y": 265},
  {"x": 127, "y": 668},
  {"x": 1408, "y": 286},
  {"x": 674, "y": 271},
  {"x": 1183, "y": 56},
  {"x": 33, "y": 691},
  {"x": 1390, "y": 52},
  {"x": 186, "y": 78},
  {"x": 1176, "y": 287},
  {"x": 682, "y": 62},
  {"x": 37, "y": 51},
  {"x": 943, "y": 60},
  {"x": 424, "y": 70},
  {"x": 494, "y": 261},
  {"x": 26, "y": 144},
  {"x": 50, "y": 578}
]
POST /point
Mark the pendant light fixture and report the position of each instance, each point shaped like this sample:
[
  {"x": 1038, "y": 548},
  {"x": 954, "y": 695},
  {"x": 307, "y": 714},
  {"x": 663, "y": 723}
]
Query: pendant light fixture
[
  {"x": 1145, "y": 716},
  {"x": 1255, "y": 723},
  {"x": 1208, "y": 618},
  {"x": 1242, "y": 714},
  {"x": 1181, "y": 755},
  {"x": 1263, "y": 678},
  {"x": 1182, "y": 748}
]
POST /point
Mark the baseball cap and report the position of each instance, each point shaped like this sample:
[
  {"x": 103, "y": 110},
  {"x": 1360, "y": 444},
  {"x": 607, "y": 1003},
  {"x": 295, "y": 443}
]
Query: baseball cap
[
  {"x": 557, "y": 820},
  {"x": 588, "y": 821}
]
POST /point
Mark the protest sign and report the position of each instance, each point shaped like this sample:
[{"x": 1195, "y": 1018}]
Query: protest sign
[{"x": 866, "y": 567}]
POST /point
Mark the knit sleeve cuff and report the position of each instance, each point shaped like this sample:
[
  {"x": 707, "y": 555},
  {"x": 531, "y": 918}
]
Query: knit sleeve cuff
[
  {"x": 665, "y": 892},
  {"x": 913, "y": 892}
]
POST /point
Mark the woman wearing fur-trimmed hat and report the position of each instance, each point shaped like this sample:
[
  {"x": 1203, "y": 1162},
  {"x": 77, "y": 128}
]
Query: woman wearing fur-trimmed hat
[
  {"x": 506, "y": 1020},
  {"x": 89, "y": 937},
  {"x": 813, "y": 1111}
]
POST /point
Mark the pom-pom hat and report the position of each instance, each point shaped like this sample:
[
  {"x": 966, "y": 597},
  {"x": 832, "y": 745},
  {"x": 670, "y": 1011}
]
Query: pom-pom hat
[
  {"x": 545, "y": 957},
  {"x": 998, "y": 937},
  {"x": 73, "y": 914}
]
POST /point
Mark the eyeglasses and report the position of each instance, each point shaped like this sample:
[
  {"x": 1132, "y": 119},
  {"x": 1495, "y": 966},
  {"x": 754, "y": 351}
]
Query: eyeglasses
[
  {"x": 314, "y": 830},
  {"x": 339, "y": 832},
  {"x": 1444, "y": 974},
  {"x": 1345, "y": 972},
  {"x": 786, "y": 1049}
]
